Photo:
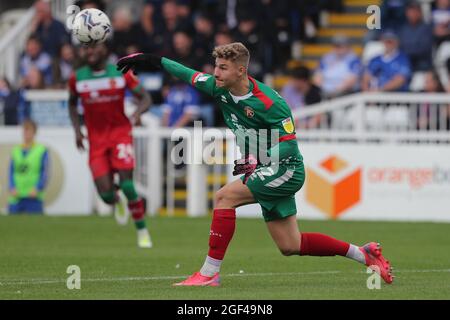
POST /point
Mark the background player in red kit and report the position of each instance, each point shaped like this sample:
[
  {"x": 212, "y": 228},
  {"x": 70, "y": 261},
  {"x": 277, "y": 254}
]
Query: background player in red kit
[{"x": 101, "y": 89}]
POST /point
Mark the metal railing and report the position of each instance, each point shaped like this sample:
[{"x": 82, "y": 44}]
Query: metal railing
[
  {"x": 382, "y": 117},
  {"x": 156, "y": 172}
]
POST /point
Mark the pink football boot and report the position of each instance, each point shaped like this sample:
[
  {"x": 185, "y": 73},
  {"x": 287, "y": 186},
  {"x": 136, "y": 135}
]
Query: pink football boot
[
  {"x": 201, "y": 281},
  {"x": 376, "y": 261}
]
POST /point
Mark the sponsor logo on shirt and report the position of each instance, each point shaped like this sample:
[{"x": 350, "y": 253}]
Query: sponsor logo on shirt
[{"x": 201, "y": 77}]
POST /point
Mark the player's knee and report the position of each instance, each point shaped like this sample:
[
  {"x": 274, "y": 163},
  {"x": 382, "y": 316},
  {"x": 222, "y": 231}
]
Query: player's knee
[
  {"x": 108, "y": 197},
  {"x": 222, "y": 199}
]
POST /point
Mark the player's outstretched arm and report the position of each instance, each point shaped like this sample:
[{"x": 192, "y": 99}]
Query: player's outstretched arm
[
  {"x": 138, "y": 62},
  {"x": 150, "y": 62}
]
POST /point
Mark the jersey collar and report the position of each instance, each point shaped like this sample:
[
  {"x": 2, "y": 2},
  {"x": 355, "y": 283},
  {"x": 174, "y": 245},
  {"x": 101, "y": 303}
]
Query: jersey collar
[{"x": 236, "y": 99}]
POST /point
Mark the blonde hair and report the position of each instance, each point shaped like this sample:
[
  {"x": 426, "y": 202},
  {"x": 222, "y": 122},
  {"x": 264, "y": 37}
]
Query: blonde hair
[{"x": 235, "y": 52}]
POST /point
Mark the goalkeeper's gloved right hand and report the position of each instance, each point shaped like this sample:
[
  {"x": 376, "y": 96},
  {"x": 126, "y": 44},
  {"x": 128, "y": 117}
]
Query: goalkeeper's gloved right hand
[
  {"x": 245, "y": 166},
  {"x": 139, "y": 62}
]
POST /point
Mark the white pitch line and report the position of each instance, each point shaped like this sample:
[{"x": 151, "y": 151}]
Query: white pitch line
[
  {"x": 425, "y": 271},
  {"x": 267, "y": 274}
]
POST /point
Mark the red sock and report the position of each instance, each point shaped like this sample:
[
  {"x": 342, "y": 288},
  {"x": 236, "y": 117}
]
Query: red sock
[
  {"x": 222, "y": 230},
  {"x": 318, "y": 244},
  {"x": 137, "y": 209}
]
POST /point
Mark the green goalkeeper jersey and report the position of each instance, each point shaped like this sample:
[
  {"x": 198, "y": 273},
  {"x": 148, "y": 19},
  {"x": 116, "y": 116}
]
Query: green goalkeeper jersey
[{"x": 261, "y": 119}]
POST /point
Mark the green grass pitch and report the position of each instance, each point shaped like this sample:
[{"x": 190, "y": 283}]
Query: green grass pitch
[{"x": 35, "y": 252}]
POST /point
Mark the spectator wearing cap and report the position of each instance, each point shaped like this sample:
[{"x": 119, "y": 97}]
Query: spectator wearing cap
[
  {"x": 339, "y": 70},
  {"x": 440, "y": 17},
  {"x": 390, "y": 71},
  {"x": 35, "y": 58},
  {"x": 416, "y": 38},
  {"x": 50, "y": 31}
]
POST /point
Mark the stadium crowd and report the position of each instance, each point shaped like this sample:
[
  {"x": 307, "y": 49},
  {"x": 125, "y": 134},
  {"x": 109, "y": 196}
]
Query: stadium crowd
[{"x": 187, "y": 31}]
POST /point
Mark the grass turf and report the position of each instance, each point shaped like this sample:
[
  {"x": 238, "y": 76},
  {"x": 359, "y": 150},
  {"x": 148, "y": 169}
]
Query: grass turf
[{"x": 35, "y": 252}]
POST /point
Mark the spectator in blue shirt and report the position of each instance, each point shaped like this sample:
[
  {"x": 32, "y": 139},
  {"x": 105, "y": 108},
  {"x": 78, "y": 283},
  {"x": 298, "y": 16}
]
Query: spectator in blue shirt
[
  {"x": 339, "y": 70},
  {"x": 416, "y": 38},
  {"x": 390, "y": 71},
  {"x": 50, "y": 31},
  {"x": 181, "y": 106},
  {"x": 35, "y": 57}
]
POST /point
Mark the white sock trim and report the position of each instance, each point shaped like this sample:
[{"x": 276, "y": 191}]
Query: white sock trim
[
  {"x": 356, "y": 254},
  {"x": 210, "y": 267}
]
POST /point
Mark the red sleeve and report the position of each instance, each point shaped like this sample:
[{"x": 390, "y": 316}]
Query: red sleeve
[
  {"x": 72, "y": 84},
  {"x": 132, "y": 82}
]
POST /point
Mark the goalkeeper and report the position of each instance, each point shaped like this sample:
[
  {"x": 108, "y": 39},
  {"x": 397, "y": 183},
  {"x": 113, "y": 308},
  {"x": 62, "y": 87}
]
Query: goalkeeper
[{"x": 272, "y": 166}]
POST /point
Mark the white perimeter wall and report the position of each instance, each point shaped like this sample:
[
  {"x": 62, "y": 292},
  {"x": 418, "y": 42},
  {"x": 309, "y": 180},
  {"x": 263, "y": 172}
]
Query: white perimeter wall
[{"x": 397, "y": 182}]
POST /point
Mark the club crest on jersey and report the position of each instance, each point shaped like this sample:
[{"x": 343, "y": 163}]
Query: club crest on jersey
[
  {"x": 288, "y": 125},
  {"x": 249, "y": 112}
]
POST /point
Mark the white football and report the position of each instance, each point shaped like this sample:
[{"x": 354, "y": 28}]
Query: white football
[{"x": 91, "y": 26}]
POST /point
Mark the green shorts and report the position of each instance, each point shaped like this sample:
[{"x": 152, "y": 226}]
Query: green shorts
[{"x": 274, "y": 188}]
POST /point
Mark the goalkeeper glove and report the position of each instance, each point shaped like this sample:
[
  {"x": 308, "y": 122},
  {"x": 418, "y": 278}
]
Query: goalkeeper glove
[
  {"x": 139, "y": 62},
  {"x": 245, "y": 166}
]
